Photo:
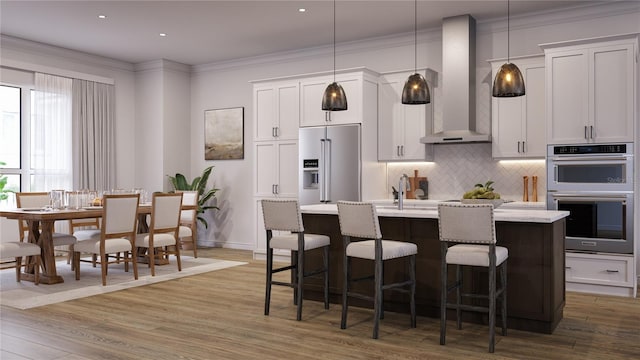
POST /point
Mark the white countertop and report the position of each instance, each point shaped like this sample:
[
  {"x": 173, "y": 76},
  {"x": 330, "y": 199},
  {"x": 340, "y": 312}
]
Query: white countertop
[{"x": 430, "y": 212}]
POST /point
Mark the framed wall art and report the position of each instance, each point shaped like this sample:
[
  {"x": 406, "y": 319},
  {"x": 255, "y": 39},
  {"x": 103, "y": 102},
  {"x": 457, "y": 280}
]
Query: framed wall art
[{"x": 224, "y": 134}]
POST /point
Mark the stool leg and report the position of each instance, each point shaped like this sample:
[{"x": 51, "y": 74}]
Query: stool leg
[
  {"x": 458, "y": 296},
  {"x": 300, "y": 282},
  {"x": 377, "y": 302},
  {"x": 267, "y": 295},
  {"x": 382, "y": 295},
  {"x": 18, "y": 268},
  {"x": 443, "y": 294},
  {"x": 492, "y": 305},
  {"x": 503, "y": 276},
  {"x": 345, "y": 291},
  {"x": 294, "y": 276},
  {"x": 326, "y": 276},
  {"x": 412, "y": 300}
]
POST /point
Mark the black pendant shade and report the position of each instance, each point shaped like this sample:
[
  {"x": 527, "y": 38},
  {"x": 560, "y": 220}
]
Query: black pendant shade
[
  {"x": 416, "y": 91},
  {"x": 508, "y": 82},
  {"x": 334, "y": 98}
]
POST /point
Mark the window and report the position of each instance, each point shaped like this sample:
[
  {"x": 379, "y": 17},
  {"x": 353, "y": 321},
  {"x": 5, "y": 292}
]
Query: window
[{"x": 15, "y": 106}]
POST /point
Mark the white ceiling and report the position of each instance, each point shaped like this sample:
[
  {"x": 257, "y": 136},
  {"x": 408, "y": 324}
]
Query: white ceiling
[{"x": 202, "y": 32}]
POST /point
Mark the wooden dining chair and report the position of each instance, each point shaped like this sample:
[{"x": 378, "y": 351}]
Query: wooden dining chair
[
  {"x": 189, "y": 221},
  {"x": 61, "y": 241},
  {"x": 117, "y": 235},
  {"x": 16, "y": 251},
  {"x": 162, "y": 239}
]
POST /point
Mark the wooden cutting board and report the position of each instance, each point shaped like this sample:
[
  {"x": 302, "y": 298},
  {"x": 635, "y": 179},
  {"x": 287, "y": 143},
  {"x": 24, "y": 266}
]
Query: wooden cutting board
[{"x": 414, "y": 182}]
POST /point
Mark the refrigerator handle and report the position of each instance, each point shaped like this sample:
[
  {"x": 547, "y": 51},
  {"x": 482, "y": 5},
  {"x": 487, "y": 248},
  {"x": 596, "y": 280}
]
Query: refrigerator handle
[
  {"x": 327, "y": 172},
  {"x": 321, "y": 169}
]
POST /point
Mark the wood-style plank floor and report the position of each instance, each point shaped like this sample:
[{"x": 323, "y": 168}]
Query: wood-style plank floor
[{"x": 219, "y": 315}]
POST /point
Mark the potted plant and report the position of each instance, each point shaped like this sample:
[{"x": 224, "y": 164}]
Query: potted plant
[
  {"x": 180, "y": 183},
  {"x": 4, "y": 193}
]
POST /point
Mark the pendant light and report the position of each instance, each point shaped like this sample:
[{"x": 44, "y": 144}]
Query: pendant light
[
  {"x": 509, "y": 81},
  {"x": 416, "y": 91},
  {"x": 334, "y": 98}
]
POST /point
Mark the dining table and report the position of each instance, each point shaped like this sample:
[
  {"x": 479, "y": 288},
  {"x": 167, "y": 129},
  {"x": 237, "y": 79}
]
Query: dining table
[{"x": 40, "y": 222}]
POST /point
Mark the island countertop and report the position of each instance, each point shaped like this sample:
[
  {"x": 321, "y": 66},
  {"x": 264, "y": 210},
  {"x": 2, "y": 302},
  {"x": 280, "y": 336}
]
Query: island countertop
[{"x": 431, "y": 212}]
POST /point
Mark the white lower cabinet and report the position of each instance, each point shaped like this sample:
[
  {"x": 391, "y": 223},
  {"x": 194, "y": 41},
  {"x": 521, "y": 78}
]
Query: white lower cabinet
[
  {"x": 610, "y": 274},
  {"x": 276, "y": 172}
]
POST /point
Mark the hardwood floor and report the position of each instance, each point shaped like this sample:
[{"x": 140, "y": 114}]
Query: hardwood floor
[{"x": 219, "y": 315}]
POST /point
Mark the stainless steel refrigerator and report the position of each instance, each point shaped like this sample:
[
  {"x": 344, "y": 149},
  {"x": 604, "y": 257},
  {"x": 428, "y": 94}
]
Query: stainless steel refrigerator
[{"x": 329, "y": 164}]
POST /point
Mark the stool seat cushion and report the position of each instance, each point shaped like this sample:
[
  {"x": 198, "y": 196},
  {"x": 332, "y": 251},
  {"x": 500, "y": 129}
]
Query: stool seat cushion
[
  {"x": 290, "y": 241},
  {"x": 475, "y": 255},
  {"x": 390, "y": 249},
  {"x": 18, "y": 249},
  {"x": 142, "y": 240}
]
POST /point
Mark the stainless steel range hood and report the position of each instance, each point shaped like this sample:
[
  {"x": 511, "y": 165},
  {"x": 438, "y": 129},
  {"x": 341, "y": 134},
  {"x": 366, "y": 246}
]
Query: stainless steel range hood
[{"x": 458, "y": 83}]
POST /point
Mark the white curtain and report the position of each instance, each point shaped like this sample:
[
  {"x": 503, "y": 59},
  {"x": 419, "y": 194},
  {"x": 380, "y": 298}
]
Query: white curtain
[
  {"x": 51, "y": 151},
  {"x": 93, "y": 135}
]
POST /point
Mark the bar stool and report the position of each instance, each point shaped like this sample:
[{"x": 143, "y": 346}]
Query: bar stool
[
  {"x": 284, "y": 215},
  {"x": 359, "y": 220},
  {"x": 471, "y": 228}
]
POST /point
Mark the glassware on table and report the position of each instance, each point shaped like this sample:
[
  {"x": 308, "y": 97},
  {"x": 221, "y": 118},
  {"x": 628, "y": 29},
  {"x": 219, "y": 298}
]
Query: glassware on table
[{"x": 57, "y": 198}]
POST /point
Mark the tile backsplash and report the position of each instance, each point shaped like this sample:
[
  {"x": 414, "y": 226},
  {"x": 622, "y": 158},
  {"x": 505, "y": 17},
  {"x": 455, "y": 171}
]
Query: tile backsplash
[{"x": 458, "y": 167}]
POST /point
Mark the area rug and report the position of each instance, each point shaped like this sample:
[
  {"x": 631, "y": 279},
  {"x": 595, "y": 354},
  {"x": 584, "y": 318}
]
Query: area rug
[{"x": 26, "y": 295}]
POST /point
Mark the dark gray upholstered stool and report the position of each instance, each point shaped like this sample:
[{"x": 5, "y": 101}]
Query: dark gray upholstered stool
[
  {"x": 472, "y": 229},
  {"x": 359, "y": 220},
  {"x": 284, "y": 215}
]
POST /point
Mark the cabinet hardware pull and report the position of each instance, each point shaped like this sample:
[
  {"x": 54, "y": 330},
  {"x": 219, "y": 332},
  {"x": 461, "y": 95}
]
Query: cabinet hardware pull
[
  {"x": 612, "y": 271},
  {"x": 523, "y": 149},
  {"x": 277, "y": 131},
  {"x": 518, "y": 147},
  {"x": 591, "y": 136},
  {"x": 585, "y": 132},
  {"x": 567, "y": 267},
  {"x": 402, "y": 150},
  {"x": 398, "y": 150}
]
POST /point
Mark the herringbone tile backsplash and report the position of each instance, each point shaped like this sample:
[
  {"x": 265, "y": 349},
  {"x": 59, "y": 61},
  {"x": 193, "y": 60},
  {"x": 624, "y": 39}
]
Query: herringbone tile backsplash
[{"x": 458, "y": 167}]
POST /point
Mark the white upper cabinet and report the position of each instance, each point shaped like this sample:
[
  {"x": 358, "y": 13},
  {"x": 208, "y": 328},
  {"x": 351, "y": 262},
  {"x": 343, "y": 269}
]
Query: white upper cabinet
[
  {"x": 591, "y": 89},
  {"x": 277, "y": 111},
  {"x": 518, "y": 123},
  {"x": 312, "y": 89},
  {"x": 401, "y": 126}
]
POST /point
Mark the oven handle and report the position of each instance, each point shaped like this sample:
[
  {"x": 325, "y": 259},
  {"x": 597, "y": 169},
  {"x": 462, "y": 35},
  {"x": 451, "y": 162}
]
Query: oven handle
[
  {"x": 592, "y": 158},
  {"x": 587, "y": 197}
]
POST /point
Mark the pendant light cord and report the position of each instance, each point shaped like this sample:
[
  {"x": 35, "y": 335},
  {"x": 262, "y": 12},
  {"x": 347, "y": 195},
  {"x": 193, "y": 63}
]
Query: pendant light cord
[
  {"x": 508, "y": 37},
  {"x": 415, "y": 36},
  {"x": 334, "y": 40}
]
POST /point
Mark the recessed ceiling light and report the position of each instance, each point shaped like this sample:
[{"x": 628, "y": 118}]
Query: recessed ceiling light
[
  {"x": 102, "y": 16},
  {"x": 163, "y": 34},
  {"x": 302, "y": 10}
]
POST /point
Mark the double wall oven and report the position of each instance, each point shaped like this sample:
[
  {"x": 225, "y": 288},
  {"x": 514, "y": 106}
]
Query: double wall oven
[{"x": 594, "y": 182}]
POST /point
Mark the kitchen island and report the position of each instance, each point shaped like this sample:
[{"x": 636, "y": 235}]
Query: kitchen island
[{"x": 535, "y": 271}]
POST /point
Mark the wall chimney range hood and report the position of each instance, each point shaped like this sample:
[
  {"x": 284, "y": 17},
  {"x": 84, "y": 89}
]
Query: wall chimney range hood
[{"x": 458, "y": 83}]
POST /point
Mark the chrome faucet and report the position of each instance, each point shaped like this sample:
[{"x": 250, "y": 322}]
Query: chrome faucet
[{"x": 402, "y": 189}]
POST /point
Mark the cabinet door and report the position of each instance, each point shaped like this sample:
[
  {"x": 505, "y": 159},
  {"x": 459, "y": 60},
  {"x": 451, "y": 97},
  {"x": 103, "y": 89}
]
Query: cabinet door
[
  {"x": 287, "y": 184},
  {"x": 389, "y": 120},
  {"x": 414, "y": 128},
  {"x": 534, "y": 136},
  {"x": 266, "y": 168},
  {"x": 400, "y": 126},
  {"x": 507, "y": 120},
  {"x": 264, "y": 104},
  {"x": 353, "y": 115},
  {"x": 567, "y": 97},
  {"x": 288, "y": 111},
  {"x": 311, "y": 91},
  {"x": 612, "y": 87}
]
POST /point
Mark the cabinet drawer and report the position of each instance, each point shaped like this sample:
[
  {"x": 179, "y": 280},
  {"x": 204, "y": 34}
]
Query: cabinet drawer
[{"x": 599, "y": 269}]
